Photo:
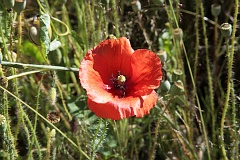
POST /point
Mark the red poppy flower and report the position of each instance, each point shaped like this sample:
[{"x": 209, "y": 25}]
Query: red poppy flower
[{"x": 119, "y": 81}]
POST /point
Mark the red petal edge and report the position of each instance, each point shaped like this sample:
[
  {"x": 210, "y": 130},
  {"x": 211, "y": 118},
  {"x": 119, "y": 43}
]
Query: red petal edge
[{"x": 117, "y": 109}]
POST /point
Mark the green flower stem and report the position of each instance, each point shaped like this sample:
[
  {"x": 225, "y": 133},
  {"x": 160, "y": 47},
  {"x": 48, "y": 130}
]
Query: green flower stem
[
  {"x": 197, "y": 43},
  {"x": 199, "y": 16},
  {"x": 46, "y": 67},
  {"x": 24, "y": 74},
  {"x": 19, "y": 36},
  {"x": 50, "y": 124},
  {"x": 229, "y": 81}
]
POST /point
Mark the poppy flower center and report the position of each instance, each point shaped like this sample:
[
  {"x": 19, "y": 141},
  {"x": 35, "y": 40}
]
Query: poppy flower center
[
  {"x": 118, "y": 85},
  {"x": 121, "y": 79}
]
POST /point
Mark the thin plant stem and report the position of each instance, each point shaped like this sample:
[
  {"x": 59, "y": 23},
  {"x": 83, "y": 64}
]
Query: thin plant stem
[
  {"x": 209, "y": 76},
  {"x": 198, "y": 104},
  {"x": 230, "y": 84},
  {"x": 19, "y": 36},
  {"x": 197, "y": 43},
  {"x": 48, "y": 67},
  {"x": 35, "y": 122},
  {"x": 225, "y": 108},
  {"x": 95, "y": 141},
  {"x": 50, "y": 124}
]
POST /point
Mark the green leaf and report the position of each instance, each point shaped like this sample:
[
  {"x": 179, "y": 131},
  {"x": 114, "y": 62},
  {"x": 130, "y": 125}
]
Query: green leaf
[
  {"x": 44, "y": 33},
  {"x": 29, "y": 49}
]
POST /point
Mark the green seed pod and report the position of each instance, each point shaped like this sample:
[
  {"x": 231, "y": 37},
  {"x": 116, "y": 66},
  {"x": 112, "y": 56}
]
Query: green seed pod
[
  {"x": 19, "y": 5},
  {"x": 165, "y": 86},
  {"x": 52, "y": 96},
  {"x": 3, "y": 124},
  {"x": 226, "y": 30},
  {"x": 9, "y": 3},
  {"x": 136, "y": 5},
  {"x": 34, "y": 35},
  {"x": 178, "y": 34},
  {"x": 163, "y": 55},
  {"x": 177, "y": 73},
  {"x": 177, "y": 88},
  {"x": 215, "y": 9}
]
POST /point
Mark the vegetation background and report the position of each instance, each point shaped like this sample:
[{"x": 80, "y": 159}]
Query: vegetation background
[{"x": 196, "y": 117}]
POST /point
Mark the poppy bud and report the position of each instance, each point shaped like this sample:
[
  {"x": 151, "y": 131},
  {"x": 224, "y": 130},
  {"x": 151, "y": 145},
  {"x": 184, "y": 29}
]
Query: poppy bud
[
  {"x": 3, "y": 124},
  {"x": 19, "y": 5},
  {"x": 52, "y": 96},
  {"x": 9, "y": 3},
  {"x": 165, "y": 86},
  {"x": 34, "y": 35},
  {"x": 215, "y": 9},
  {"x": 162, "y": 55},
  {"x": 177, "y": 88},
  {"x": 178, "y": 34},
  {"x": 226, "y": 29},
  {"x": 136, "y": 5}
]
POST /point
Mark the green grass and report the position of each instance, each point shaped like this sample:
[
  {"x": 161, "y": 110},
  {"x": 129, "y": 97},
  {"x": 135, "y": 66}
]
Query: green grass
[{"x": 199, "y": 121}]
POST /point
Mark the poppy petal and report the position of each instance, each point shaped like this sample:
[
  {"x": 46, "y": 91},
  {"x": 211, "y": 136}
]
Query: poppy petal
[
  {"x": 119, "y": 108},
  {"x": 92, "y": 82},
  {"x": 146, "y": 74},
  {"x": 111, "y": 56}
]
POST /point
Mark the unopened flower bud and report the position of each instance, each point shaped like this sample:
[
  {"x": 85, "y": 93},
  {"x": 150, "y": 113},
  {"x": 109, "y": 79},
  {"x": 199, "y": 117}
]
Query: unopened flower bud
[
  {"x": 215, "y": 9},
  {"x": 136, "y": 5},
  {"x": 3, "y": 124},
  {"x": 226, "y": 29},
  {"x": 165, "y": 86},
  {"x": 52, "y": 96}
]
